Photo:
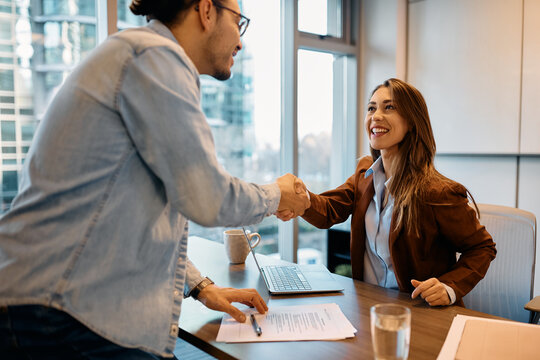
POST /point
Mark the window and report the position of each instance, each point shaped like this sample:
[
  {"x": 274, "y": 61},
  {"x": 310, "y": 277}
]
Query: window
[
  {"x": 69, "y": 7},
  {"x": 8, "y": 130},
  {"x": 6, "y": 32},
  {"x": 41, "y": 41},
  {"x": 27, "y": 112},
  {"x": 9, "y": 181},
  {"x": 67, "y": 42},
  {"x": 5, "y": 9},
  {"x": 6, "y": 80},
  {"x": 6, "y": 48},
  {"x": 321, "y": 17},
  {"x": 319, "y": 142},
  {"x": 126, "y": 18},
  {"x": 27, "y": 131},
  {"x": 6, "y": 60},
  {"x": 315, "y": 118},
  {"x": 290, "y": 105}
]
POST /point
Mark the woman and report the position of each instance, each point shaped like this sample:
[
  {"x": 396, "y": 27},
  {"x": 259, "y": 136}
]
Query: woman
[{"x": 408, "y": 220}]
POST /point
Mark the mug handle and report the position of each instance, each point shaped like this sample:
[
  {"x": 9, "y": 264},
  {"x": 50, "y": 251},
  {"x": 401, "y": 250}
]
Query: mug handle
[{"x": 251, "y": 236}]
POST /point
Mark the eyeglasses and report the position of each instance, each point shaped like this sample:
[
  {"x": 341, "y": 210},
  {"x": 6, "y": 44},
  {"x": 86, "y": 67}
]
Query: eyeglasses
[{"x": 242, "y": 24}]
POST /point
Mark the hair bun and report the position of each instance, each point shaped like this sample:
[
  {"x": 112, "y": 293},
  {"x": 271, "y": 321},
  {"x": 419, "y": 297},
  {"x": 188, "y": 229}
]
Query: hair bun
[
  {"x": 163, "y": 10},
  {"x": 142, "y": 7}
]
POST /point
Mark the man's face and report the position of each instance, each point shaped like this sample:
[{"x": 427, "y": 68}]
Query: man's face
[{"x": 224, "y": 42}]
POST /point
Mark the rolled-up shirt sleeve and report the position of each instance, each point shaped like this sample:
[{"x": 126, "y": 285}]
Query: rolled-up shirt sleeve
[
  {"x": 193, "y": 277},
  {"x": 451, "y": 293},
  {"x": 159, "y": 101}
]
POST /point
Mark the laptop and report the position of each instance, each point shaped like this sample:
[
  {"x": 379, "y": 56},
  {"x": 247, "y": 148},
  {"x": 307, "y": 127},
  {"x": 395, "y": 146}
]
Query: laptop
[{"x": 295, "y": 279}]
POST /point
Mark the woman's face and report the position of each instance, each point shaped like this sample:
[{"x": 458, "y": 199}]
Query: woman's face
[{"x": 384, "y": 126}]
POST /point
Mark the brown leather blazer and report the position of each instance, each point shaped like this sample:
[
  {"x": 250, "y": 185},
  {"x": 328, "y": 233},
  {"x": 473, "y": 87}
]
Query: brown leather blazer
[{"x": 447, "y": 225}]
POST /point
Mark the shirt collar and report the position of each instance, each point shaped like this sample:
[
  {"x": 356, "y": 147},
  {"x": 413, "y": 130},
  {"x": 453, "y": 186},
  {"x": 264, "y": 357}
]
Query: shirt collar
[
  {"x": 161, "y": 29},
  {"x": 377, "y": 166},
  {"x": 377, "y": 170}
]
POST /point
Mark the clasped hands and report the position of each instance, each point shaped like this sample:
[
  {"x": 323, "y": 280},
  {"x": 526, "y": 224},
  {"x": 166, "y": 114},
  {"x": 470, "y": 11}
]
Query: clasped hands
[
  {"x": 293, "y": 202},
  {"x": 294, "y": 197}
]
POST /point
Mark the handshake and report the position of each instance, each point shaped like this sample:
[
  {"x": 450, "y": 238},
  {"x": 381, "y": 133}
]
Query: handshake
[{"x": 294, "y": 197}]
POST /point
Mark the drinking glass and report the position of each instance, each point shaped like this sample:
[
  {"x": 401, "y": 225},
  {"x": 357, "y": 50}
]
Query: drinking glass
[{"x": 390, "y": 331}]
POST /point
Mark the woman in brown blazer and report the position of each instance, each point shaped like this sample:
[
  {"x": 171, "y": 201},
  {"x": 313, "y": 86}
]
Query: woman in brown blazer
[{"x": 408, "y": 221}]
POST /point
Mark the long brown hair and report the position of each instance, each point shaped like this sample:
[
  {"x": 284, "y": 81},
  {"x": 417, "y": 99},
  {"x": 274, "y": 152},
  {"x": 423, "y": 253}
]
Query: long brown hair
[{"x": 413, "y": 165}]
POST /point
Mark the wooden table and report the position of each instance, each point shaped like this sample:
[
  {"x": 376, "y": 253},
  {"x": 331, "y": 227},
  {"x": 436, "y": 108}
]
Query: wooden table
[{"x": 199, "y": 325}]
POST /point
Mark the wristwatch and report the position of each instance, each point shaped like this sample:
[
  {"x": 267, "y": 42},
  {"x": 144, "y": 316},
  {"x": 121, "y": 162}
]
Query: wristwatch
[{"x": 197, "y": 289}]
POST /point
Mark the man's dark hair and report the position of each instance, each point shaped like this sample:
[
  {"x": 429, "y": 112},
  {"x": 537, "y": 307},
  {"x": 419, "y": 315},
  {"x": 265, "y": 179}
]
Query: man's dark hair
[{"x": 166, "y": 11}]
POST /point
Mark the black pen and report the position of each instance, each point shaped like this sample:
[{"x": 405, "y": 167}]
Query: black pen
[{"x": 256, "y": 326}]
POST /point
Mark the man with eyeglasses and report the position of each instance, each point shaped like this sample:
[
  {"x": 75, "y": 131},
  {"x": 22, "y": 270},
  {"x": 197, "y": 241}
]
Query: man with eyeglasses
[{"x": 93, "y": 252}]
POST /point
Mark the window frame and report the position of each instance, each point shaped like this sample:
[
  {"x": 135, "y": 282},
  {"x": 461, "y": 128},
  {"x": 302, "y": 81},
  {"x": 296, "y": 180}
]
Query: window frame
[{"x": 345, "y": 133}]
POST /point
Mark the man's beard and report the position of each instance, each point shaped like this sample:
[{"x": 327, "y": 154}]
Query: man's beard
[
  {"x": 221, "y": 75},
  {"x": 218, "y": 74}
]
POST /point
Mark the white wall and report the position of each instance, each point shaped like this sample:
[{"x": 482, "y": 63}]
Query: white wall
[
  {"x": 379, "y": 40},
  {"x": 479, "y": 71},
  {"x": 466, "y": 61},
  {"x": 529, "y": 199},
  {"x": 530, "y": 110}
]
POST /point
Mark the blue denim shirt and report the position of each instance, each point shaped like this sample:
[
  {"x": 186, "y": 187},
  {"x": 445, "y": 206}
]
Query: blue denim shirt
[{"x": 122, "y": 159}]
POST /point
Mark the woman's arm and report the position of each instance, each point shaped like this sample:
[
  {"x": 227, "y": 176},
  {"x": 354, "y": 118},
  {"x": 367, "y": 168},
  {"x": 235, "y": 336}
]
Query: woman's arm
[
  {"x": 331, "y": 207},
  {"x": 458, "y": 223},
  {"x": 335, "y": 206}
]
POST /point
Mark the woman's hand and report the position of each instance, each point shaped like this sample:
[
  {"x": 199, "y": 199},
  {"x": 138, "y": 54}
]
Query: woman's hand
[
  {"x": 300, "y": 189},
  {"x": 432, "y": 291},
  {"x": 285, "y": 215},
  {"x": 220, "y": 299}
]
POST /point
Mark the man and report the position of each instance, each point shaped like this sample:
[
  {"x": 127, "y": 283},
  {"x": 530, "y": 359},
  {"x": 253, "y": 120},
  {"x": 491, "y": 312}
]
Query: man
[{"x": 93, "y": 251}]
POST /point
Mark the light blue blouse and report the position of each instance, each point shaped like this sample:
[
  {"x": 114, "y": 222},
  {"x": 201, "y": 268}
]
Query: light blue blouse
[{"x": 378, "y": 266}]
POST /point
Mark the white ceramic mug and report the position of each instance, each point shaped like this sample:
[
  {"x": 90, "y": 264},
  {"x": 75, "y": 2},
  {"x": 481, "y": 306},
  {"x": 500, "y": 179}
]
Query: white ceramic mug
[{"x": 236, "y": 246}]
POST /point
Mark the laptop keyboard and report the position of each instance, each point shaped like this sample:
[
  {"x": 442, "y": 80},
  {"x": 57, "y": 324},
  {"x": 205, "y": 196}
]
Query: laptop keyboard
[{"x": 287, "y": 278}]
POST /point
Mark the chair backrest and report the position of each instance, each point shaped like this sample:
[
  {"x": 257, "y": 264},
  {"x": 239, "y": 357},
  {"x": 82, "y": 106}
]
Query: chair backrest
[{"x": 508, "y": 284}]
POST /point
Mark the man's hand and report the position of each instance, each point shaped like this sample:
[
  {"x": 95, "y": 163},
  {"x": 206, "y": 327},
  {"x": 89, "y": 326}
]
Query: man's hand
[
  {"x": 293, "y": 196},
  {"x": 432, "y": 291},
  {"x": 220, "y": 299},
  {"x": 285, "y": 215}
]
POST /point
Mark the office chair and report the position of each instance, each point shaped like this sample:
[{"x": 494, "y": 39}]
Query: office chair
[
  {"x": 508, "y": 284},
  {"x": 534, "y": 307}
]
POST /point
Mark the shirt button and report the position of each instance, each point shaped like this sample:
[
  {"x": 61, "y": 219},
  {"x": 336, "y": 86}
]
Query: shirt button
[
  {"x": 176, "y": 293},
  {"x": 174, "y": 330}
]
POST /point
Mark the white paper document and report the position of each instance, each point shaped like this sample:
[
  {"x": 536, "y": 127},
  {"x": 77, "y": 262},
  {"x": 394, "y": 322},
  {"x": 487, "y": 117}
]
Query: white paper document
[{"x": 289, "y": 323}]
